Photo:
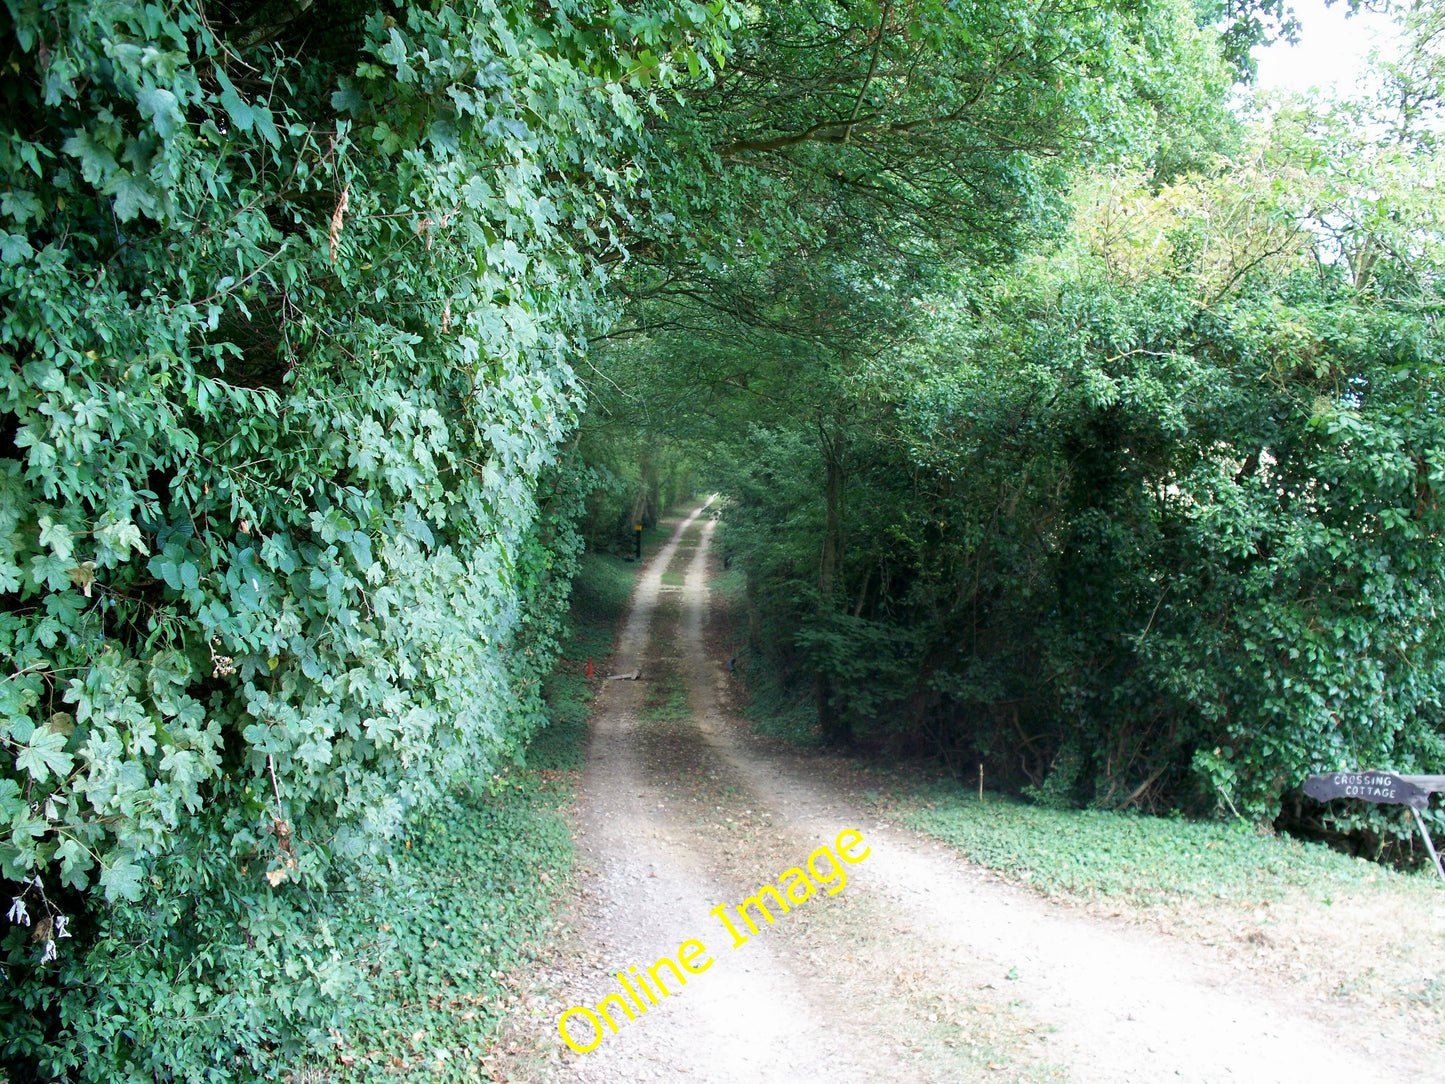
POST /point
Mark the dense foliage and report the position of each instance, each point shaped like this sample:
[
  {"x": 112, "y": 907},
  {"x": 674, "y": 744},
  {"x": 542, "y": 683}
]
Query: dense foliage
[
  {"x": 1149, "y": 516},
  {"x": 1159, "y": 521},
  {"x": 292, "y": 295}
]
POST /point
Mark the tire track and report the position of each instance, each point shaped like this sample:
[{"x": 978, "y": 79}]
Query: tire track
[{"x": 673, "y": 832}]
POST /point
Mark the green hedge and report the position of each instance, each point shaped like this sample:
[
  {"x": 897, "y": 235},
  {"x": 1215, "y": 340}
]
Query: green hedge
[{"x": 291, "y": 294}]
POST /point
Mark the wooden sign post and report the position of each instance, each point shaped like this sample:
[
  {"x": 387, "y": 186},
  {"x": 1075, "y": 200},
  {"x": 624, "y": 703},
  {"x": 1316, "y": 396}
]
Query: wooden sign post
[{"x": 1385, "y": 788}]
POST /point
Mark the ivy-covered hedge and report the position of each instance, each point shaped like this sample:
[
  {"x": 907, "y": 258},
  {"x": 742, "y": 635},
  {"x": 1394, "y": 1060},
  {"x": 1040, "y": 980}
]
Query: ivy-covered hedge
[{"x": 291, "y": 294}]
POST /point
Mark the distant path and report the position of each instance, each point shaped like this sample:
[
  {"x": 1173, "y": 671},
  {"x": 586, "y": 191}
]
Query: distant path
[{"x": 923, "y": 968}]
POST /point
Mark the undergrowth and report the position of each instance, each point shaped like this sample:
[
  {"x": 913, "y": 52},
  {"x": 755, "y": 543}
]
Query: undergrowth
[
  {"x": 461, "y": 912},
  {"x": 775, "y": 702},
  {"x": 778, "y": 709}
]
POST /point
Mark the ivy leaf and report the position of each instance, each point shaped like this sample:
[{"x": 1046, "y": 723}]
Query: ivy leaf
[
  {"x": 97, "y": 163},
  {"x": 45, "y": 754},
  {"x": 56, "y": 536},
  {"x": 14, "y": 248},
  {"x": 134, "y": 196},
  {"x": 10, "y": 576},
  {"x": 50, "y": 570},
  {"x": 348, "y": 99},
  {"x": 75, "y": 861},
  {"x": 20, "y": 205},
  {"x": 121, "y": 879},
  {"x": 395, "y": 52},
  {"x": 12, "y": 805},
  {"x": 159, "y": 106},
  {"x": 122, "y": 536},
  {"x": 168, "y": 668}
]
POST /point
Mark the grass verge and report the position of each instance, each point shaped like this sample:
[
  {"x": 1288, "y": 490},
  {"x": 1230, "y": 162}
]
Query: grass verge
[
  {"x": 1083, "y": 854},
  {"x": 599, "y": 598},
  {"x": 1334, "y": 926}
]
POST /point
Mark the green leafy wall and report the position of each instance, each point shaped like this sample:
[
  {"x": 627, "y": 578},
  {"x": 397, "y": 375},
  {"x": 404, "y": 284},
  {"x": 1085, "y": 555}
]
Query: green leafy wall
[{"x": 291, "y": 299}]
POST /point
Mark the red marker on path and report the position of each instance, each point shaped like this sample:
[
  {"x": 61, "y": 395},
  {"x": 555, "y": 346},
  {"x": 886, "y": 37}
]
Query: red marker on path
[{"x": 589, "y": 667}]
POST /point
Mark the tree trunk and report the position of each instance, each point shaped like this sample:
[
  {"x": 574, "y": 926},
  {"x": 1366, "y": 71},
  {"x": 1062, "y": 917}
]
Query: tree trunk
[
  {"x": 835, "y": 728},
  {"x": 644, "y": 504}
]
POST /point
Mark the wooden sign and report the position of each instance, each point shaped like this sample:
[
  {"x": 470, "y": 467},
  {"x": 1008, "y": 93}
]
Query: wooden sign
[
  {"x": 1388, "y": 789},
  {"x": 1384, "y": 787}
]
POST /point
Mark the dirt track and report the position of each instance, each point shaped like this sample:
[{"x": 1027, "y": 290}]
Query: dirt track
[{"x": 923, "y": 968}]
